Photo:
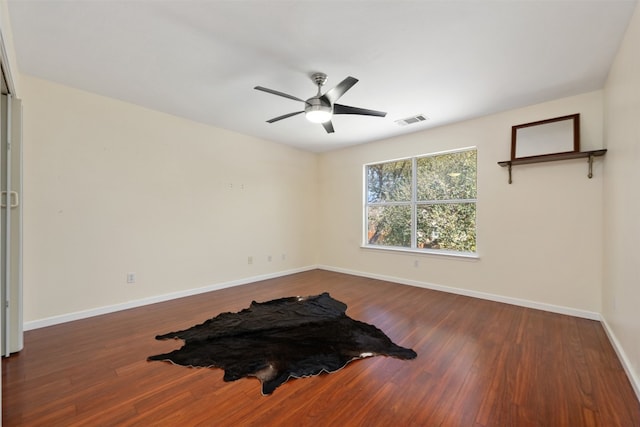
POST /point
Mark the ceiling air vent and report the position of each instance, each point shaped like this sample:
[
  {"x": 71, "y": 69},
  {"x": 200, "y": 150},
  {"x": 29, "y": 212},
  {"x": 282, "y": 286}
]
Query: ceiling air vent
[{"x": 413, "y": 119}]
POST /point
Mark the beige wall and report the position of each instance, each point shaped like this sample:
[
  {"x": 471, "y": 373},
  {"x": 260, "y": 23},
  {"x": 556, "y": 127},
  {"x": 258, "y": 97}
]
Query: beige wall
[
  {"x": 112, "y": 188},
  {"x": 539, "y": 239},
  {"x": 621, "y": 284}
]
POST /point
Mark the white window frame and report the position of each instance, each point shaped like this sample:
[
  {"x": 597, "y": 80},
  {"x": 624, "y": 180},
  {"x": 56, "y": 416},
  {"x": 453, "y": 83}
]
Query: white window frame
[{"x": 414, "y": 203}]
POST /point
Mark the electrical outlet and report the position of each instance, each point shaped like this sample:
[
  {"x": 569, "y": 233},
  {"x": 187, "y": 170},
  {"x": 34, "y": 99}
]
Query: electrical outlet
[
  {"x": 131, "y": 277},
  {"x": 269, "y": 258},
  {"x": 284, "y": 256},
  {"x": 416, "y": 263},
  {"x": 250, "y": 260}
]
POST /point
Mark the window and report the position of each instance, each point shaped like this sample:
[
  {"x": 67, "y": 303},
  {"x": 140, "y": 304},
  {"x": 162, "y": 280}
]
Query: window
[{"x": 425, "y": 203}]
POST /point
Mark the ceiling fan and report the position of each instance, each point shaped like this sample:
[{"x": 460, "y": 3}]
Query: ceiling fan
[{"x": 320, "y": 108}]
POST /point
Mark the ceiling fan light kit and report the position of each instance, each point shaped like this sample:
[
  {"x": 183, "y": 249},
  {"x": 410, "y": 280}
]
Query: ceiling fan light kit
[
  {"x": 317, "y": 113},
  {"x": 320, "y": 108}
]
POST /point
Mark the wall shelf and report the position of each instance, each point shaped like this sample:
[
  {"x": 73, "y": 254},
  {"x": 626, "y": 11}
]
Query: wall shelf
[{"x": 555, "y": 157}]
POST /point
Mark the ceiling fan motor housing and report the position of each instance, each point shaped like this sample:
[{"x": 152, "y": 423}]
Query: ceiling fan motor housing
[{"x": 317, "y": 109}]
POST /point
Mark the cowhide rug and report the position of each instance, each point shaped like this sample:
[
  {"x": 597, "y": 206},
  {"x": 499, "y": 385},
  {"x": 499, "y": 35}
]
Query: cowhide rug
[{"x": 285, "y": 338}]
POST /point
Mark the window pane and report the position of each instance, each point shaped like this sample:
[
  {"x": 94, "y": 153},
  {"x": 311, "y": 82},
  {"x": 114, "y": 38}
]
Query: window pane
[
  {"x": 389, "y": 225},
  {"x": 447, "y": 226},
  {"x": 447, "y": 176},
  {"x": 389, "y": 182}
]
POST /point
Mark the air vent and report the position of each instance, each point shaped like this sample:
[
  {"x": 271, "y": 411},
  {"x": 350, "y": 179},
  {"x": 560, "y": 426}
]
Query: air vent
[{"x": 411, "y": 120}]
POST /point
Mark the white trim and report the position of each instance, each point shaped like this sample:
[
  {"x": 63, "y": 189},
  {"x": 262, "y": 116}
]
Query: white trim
[
  {"x": 5, "y": 63},
  {"x": 416, "y": 156},
  {"x": 55, "y": 320},
  {"x": 475, "y": 294},
  {"x": 417, "y": 251},
  {"x": 624, "y": 360},
  {"x": 8, "y": 335}
]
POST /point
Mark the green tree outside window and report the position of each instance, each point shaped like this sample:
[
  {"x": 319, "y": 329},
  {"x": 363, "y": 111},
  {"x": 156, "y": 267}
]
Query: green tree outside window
[{"x": 426, "y": 202}]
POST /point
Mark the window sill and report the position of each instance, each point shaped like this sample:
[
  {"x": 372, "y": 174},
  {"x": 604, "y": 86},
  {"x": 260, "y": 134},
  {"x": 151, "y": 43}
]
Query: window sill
[{"x": 438, "y": 253}]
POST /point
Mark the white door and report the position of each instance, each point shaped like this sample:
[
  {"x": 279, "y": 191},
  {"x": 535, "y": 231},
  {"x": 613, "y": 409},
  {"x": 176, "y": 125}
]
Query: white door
[{"x": 11, "y": 223}]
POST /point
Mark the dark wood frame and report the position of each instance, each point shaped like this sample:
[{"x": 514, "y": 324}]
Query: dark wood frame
[{"x": 576, "y": 137}]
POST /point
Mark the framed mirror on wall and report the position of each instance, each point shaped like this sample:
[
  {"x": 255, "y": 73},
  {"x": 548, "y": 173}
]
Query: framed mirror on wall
[{"x": 546, "y": 137}]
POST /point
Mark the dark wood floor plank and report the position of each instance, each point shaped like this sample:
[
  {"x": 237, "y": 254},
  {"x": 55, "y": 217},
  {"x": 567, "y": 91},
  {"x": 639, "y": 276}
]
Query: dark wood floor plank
[{"x": 480, "y": 363}]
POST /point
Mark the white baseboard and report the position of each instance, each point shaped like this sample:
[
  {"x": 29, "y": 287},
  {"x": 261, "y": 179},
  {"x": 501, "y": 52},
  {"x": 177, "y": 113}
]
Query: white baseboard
[
  {"x": 54, "y": 320},
  {"x": 475, "y": 294},
  {"x": 626, "y": 363}
]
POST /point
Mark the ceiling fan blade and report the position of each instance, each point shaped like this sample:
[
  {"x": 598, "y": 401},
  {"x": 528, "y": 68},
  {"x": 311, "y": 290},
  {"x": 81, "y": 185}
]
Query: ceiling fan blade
[
  {"x": 328, "y": 126},
  {"x": 333, "y": 94},
  {"x": 275, "y": 92},
  {"x": 284, "y": 116},
  {"x": 345, "y": 109}
]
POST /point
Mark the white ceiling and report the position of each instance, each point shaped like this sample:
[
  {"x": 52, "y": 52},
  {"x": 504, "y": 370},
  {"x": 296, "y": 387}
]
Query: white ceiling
[{"x": 449, "y": 60}]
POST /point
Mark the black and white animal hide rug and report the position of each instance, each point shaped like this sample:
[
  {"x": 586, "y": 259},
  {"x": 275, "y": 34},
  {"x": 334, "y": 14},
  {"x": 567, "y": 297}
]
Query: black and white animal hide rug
[{"x": 285, "y": 338}]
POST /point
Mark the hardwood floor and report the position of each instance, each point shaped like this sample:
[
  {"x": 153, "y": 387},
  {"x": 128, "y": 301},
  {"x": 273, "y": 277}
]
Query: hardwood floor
[{"x": 479, "y": 363}]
